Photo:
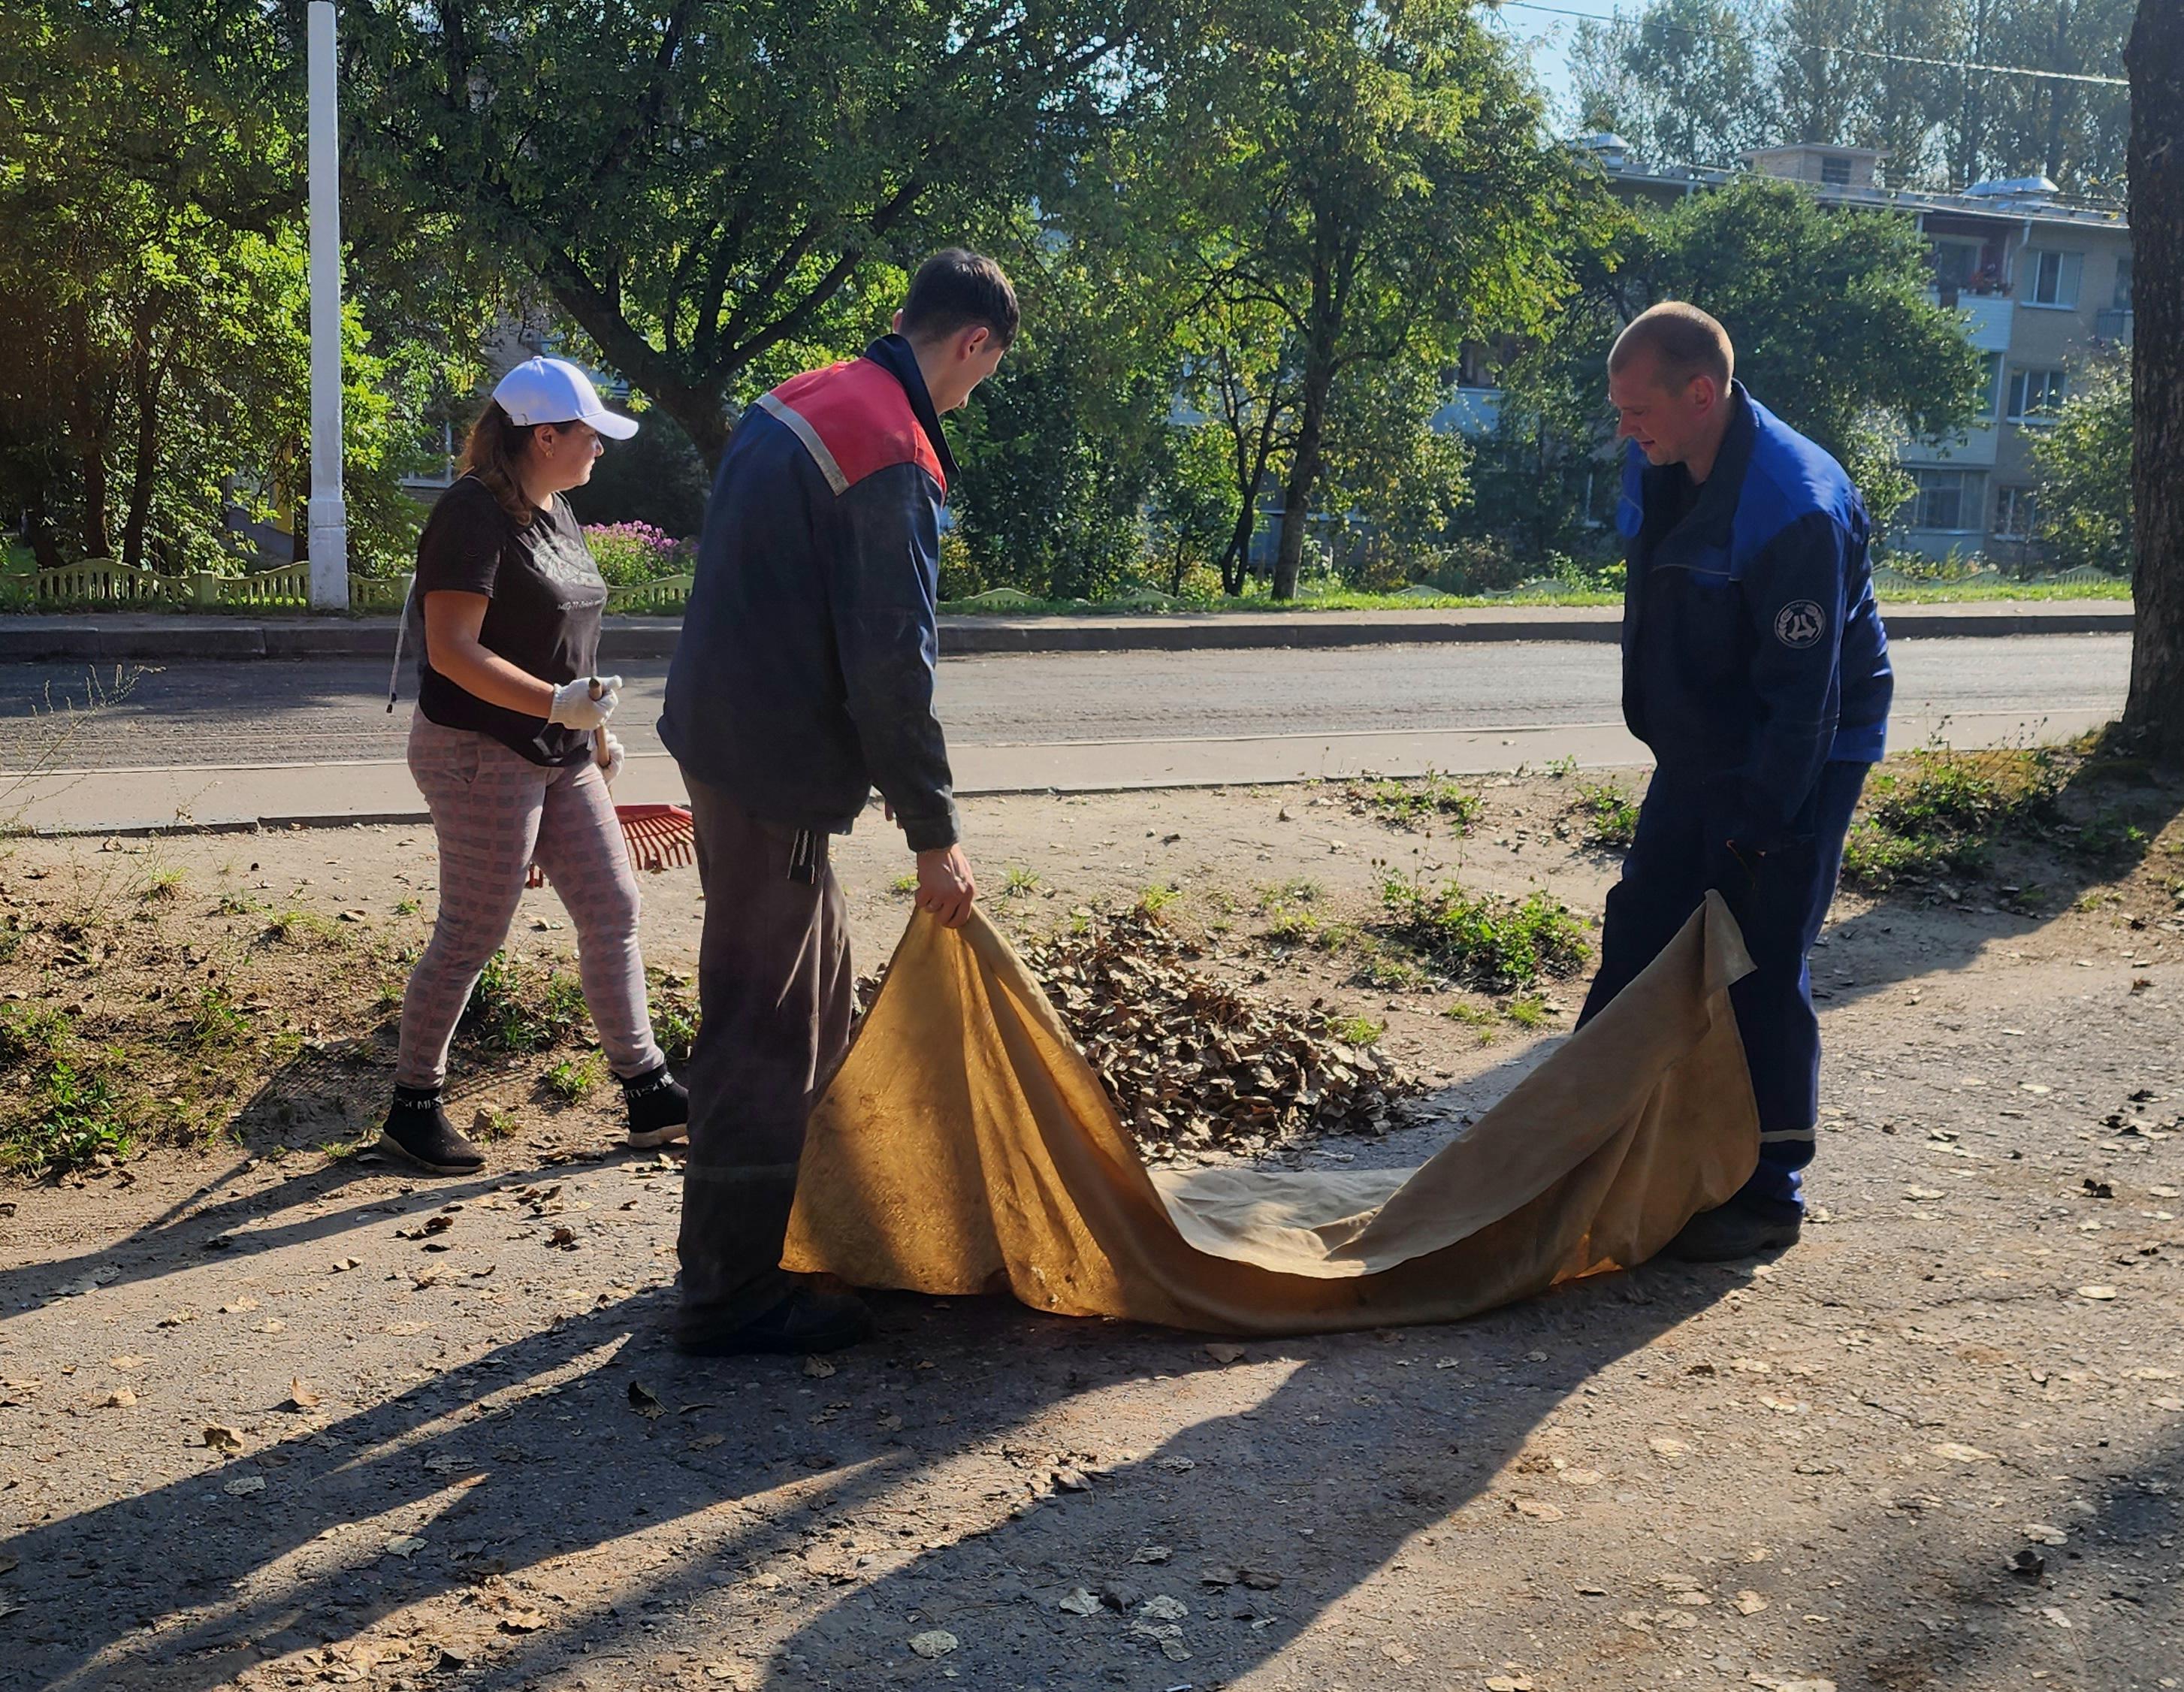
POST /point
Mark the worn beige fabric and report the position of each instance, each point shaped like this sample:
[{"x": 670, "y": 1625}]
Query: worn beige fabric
[{"x": 965, "y": 1146}]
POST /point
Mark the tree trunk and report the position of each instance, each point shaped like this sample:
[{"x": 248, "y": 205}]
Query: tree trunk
[
  {"x": 148, "y": 378},
  {"x": 2155, "y": 59},
  {"x": 1297, "y": 491}
]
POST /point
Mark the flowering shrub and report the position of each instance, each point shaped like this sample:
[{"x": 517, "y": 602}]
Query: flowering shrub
[{"x": 629, "y": 553}]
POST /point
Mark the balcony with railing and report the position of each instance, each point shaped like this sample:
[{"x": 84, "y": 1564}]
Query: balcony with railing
[{"x": 1989, "y": 317}]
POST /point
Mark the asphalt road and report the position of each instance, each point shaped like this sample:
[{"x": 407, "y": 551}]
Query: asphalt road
[{"x": 274, "y": 713}]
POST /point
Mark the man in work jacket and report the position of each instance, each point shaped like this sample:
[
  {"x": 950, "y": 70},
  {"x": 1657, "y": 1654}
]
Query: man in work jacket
[
  {"x": 802, "y": 679},
  {"x": 1755, "y": 666}
]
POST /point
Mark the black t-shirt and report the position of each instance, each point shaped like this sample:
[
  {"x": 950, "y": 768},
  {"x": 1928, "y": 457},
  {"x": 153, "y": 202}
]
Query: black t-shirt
[{"x": 548, "y": 596}]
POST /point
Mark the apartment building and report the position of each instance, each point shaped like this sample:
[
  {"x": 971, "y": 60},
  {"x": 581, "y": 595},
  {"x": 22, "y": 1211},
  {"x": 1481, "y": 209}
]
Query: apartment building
[{"x": 2043, "y": 285}]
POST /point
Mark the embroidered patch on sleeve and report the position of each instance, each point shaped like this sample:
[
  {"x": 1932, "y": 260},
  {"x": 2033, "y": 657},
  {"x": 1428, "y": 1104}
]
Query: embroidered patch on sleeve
[{"x": 1800, "y": 624}]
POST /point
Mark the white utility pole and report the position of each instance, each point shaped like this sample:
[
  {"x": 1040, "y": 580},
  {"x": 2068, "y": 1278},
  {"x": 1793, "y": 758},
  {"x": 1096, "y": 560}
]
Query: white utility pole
[{"x": 328, "y": 512}]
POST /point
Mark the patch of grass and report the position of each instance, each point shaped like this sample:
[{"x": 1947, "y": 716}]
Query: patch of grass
[
  {"x": 1299, "y": 890},
  {"x": 1559, "y": 768},
  {"x": 214, "y": 1023},
  {"x": 519, "y": 1008},
  {"x": 1494, "y": 944},
  {"x": 31, "y": 1036},
  {"x": 2108, "y": 835},
  {"x": 1608, "y": 815},
  {"x": 1405, "y": 804},
  {"x": 674, "y": 1019},
  {"x": 493, "y": 1124},
  {"x": 904, "y": 884},
  {"x": 11, "y": 939},
  {"x": 298, "y": 926},
  {"x": 573, "y": 1078},
  {"x": 1474, "y": 1017},
  {"x": 1019, "y": 882},
  {"x": 405, "y": 907},
  {"x": 1378, "y": 967},
  {"x": 1527, "y": 1012},
  {"x": 238, "y": 905},
  {"x": 1157, "y": 898},
  {"x": 389, "y": 997},
  {"x": 1290, "y": 927},
  {"x": 163, "y": 887},
  {"x": 68, "y": 1121},
  {"x": 1356, "y": 1031},
  {"x": 1941, "y": 811}
]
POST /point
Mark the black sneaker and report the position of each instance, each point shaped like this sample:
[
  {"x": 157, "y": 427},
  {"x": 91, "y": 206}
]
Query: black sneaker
[
  {"x": 658, "y": 1109},
  {"x": 1734, "y": 1230},
  {"x": 810, "y": 1318},
  {"x": 418, "y": 1128}
]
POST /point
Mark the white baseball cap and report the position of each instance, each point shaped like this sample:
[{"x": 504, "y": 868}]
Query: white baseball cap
[{"x": 555, "y": 390}]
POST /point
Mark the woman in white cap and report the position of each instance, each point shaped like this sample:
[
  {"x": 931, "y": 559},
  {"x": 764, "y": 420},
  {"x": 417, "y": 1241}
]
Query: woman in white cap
[{"x": 510, "y": 747}]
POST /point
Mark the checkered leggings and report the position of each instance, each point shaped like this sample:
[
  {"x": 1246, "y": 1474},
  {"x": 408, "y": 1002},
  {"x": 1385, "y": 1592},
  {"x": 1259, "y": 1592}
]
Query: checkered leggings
[{"x": 496, "y": 814}]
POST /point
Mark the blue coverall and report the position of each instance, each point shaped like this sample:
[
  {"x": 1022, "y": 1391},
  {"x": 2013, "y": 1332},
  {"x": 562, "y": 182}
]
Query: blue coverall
[{"x": 1755, "y": 668}]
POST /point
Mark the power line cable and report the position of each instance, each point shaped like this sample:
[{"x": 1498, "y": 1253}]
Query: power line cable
[{"x": 1860, "y": 52}]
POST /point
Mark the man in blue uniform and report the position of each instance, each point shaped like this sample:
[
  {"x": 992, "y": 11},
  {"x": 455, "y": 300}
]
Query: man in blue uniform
[{"x": 1755, "y": 666}]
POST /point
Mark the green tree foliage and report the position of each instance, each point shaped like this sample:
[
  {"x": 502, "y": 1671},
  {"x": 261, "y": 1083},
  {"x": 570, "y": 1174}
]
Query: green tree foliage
[
  {"x": 1695, "y": 81},
  {"x": 2084, "y": 497},
  {"x": 1828, "y": 314},
  {"x": 1368, "y": 190},
  {"x": 1683, "y": 79},
  {"x": 713, "y": 192},
  {"x": 154, "y": 275}
]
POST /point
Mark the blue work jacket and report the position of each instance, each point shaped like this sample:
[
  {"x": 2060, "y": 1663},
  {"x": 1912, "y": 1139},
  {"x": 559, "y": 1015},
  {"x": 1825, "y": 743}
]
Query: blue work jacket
[{"x": 1752, "y": 649}]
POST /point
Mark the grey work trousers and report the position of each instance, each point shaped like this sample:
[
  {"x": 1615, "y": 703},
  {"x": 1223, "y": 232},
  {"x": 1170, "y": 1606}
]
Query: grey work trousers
[{"x": 775, "y": 994}]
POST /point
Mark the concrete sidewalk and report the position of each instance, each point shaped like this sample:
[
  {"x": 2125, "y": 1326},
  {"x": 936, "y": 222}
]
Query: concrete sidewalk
[
  {"x": 188, "y": 798},
  {"x": 153, "y": 636}
]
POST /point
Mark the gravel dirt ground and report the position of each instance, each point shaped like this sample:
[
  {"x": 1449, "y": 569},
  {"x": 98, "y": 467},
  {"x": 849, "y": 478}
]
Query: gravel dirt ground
[{"x": 274, "y": 1413}]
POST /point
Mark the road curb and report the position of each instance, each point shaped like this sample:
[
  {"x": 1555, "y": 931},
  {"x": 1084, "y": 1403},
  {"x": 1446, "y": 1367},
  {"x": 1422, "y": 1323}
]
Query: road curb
[{"x": 30, "y": 639}]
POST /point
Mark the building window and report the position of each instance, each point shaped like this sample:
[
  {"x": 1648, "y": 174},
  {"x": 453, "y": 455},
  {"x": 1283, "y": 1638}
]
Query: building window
[
  {"x": 1834, "y": 170},
  {"x": 1949, "y": 500},
  {"x": 2013, "y": 515},
  {"x": 2052, "y": 278},
  {"x": 2122, "y": 301},
  {"x": 2034, "y": 395}
]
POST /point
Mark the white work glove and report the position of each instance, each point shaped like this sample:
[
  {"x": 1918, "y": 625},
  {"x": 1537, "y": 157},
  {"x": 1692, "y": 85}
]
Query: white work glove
[
  {"x": 611, "y": 767},
  {"x": 586, "y": 703}
]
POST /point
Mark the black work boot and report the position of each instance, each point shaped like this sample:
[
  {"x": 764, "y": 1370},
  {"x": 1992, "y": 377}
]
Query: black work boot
[
  {"x": 418, "y": 1129},
  {"x": 736, "y": 1298},
  {"x": 659, "y": 1108},
  {"x": 1742, "y": 1228}
]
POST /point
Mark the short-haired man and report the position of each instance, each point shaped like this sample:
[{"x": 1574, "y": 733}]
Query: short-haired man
[
  {"x": 1755, "y": 666},
  {"x": 803, "y": 678}
]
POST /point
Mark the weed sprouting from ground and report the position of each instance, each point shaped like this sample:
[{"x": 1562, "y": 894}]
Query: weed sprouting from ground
[
  {"x": 572, "y": 1078},
  {"x": 1494, "y": 944},
  {"x": 1356, "y": 1031},
  {"x": 214, "y": 1021},
  {"x": 1943, "y": 813},
  {"x": 1019, "y": 882},
  {"x": 1156, "y": 899},
  {"x": 518, "y": 1008},
  {"x": 163, "y": 887},
  {"x": 903, "y": 884},
  {"x": 1406, "y": 804},
  {"x": 1607, "y": 815},
  {"x": 70, "y": 1120},
  {"x": 31, "y": 1036}
]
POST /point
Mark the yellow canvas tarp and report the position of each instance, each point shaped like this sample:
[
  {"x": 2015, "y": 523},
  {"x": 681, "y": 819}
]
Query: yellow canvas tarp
[{"x": 965, "y": 1146}]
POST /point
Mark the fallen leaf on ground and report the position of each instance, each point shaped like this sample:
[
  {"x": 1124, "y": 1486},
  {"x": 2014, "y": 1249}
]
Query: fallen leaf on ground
[
  {"x": 644, "y": 1401},
  {"x": 1749, "y": 1603},
  {"x": 1508, "y": 1683},
  {"x": 818, "y": 1369},
  {"x": 222, "y": 1438},
  {"x": 1961, "y": 1453},
  {"x": 300, "y": 1397},
  {"x": 1668, "y": 1448},
  {"x": 1070, "y": 1480},
  {"x": 244, "y": 1484},
  {"x": 934, "y": 1642},
  {"x": 705, "y": 1442},
  {"x": 1150, "y": 1554},
  {"x": 342, "y": 1263},
  {"x": 120, "y": 1399},
  {"x": 1220, "y": 1352},
  {"x": 2099, "y": 1294},
  {"x": 1162, "y": 1608},
  {"x": 1079, "y": 1602},
  {"x": 1536, "y": 1509},
  {"x": 404, "y": 1545}
]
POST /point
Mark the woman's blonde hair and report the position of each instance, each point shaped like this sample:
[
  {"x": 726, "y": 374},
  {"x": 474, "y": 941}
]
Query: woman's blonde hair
[{"x": 493, "y": 454}]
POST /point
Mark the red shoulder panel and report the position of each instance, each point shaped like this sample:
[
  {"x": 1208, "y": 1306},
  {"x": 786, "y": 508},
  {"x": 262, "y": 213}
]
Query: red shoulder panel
[{"x": 856, "y": 420}]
